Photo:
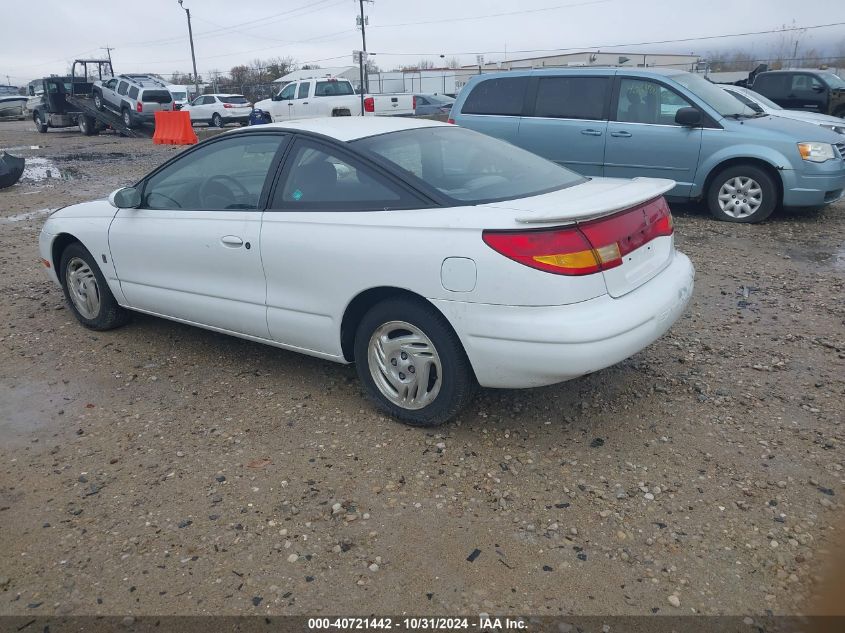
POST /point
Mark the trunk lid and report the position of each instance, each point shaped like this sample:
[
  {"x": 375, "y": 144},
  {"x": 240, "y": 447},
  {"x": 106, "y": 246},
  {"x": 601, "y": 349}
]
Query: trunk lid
[{"x": 598, "y": 202}]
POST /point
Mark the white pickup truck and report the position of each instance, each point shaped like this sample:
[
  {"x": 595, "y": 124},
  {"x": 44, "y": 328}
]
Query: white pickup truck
[{"x": 327, "y": 96}]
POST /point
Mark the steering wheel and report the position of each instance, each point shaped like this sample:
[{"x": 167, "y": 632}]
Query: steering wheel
[{"x": 213, "y": 187}]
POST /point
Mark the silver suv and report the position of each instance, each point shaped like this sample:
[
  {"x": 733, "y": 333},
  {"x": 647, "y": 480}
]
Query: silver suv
[{"x": 136, "y": 98}]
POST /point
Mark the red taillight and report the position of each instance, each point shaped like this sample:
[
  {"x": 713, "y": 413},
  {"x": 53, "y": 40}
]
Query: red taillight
[
  {"x": 450, "y": 120},
  {"x": 414, "y": 102},
  {"x": 587, "y": 247},
  {"x": 228, "y": 105},
  {"x": 369, "y": 104},
  {"x": 139, "y": 107}
]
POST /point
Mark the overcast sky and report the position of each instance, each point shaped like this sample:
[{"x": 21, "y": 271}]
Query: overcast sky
[{"x": 151, "y": 35}]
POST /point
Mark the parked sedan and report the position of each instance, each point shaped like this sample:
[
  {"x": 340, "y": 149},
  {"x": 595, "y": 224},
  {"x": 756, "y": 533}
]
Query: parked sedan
[
  {"x": 432, "y": 104},
  {"x": 434, "y": 257},
  {"x": 759, "y": 103},
  {"x": 219, "y": 109}
]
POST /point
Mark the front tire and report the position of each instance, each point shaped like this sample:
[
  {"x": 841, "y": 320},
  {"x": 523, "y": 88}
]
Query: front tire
[
  {"x": 412, "y": 364},
  {"x": 87, "y": 292},
  {"x": 217, "y": 120},
  {"x": 39, "y": 123},
  {"x": 742, "y": 193}
]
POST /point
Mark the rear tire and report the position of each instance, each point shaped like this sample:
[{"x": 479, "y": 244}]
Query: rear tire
[
  {"x": 87, "y": 292},
  {"x": 126, "y": 115},
  {"x": 87, "y": 125},
  {"x": 742, "y": 193},
  {"x": 39, "y": 123},
  {"x": 411, "y": 362},
  {"x": 217, "y": 120}
]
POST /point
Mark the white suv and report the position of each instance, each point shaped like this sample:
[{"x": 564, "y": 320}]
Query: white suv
[
  {"x": 219, "y": 109},
  {"x": 136, "y": 98}
]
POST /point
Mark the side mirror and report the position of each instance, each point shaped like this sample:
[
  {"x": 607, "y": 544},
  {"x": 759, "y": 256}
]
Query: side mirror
[
  {"x": 819, "y": 89},
  {"x": 688, "y": 117},
  {"x": 125, "y": 198}
]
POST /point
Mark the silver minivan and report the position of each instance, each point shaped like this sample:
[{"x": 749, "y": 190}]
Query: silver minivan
[{"x": 136, "y": 98}]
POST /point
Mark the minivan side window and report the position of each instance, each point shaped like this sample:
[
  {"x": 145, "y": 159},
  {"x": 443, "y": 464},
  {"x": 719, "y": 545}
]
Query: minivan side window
[
  {"x": 643, "y": 101},
  {"x": 572, "y": 97},
  {"x": 502, "y": 96}
]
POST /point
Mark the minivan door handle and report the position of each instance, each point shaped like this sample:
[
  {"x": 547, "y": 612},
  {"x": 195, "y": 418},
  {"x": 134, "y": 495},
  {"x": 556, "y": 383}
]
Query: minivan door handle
[
  {"x": 621, "y": 134},
  {"x": 591, "y": 132}
]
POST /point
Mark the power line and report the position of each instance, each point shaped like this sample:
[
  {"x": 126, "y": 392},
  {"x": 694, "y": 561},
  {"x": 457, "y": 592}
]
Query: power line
[
  {"x": 494, "y": 15},
  {"x": 601, "y": 46}
]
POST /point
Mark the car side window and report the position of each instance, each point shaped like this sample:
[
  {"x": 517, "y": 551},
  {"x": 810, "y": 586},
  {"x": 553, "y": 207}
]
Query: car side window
[
  {"x": 644, "y": 101},
  {"x": 304, "y": 89},
  {"x": 317, "y": 178},
  {"x": 806, "y": 83},
  {"x": 422, "y": 101},
  {"x": 111, "y": 83},
  {"x": 572, "y": 97},
  {"x": 288, "y": 92},
  {"x": 226, "y": 174},
  {"x": 122, "y": 88},
  {"x": 503, "y": 96},
  {"x": 208, "y": 100},
  {"x": 133, "y": 93}
]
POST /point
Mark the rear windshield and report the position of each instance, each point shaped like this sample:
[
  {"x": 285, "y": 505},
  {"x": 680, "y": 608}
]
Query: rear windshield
[
  {"x": 333, "y": 88},
  {"x": 179, "y": 96},
  {"x": 157, "y": 96},
  {"x": 468, "y": 166},
  {"x": 234, "y": 99}
]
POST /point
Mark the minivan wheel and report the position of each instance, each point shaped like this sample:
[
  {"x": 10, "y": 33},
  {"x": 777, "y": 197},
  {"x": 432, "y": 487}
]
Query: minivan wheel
[
  {"x": 87, "y": 292},
  {"x": 412, "y": 364},
  {"x": 217, "y": 120},
  {"x": 743, "y": 193}
]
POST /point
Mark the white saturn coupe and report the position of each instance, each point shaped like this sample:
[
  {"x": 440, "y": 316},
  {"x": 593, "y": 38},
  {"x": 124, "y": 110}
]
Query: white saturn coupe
[{"x": 435, "y": 258}]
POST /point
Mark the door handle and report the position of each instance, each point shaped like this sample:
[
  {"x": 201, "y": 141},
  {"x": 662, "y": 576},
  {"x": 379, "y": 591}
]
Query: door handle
[
  {"x": 622, "y": 134},
  {"x": 304, "y": 103},
  {"x": 591, "y": 132},
  {"x": 232, "y": 241}
]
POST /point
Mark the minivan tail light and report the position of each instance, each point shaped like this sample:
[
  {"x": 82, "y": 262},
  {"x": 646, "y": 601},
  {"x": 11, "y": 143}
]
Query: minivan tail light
[
  {"x": 139, "y": 107},
  {"x": 369, "y": 104},
  {"x": 588, "y": 247}
]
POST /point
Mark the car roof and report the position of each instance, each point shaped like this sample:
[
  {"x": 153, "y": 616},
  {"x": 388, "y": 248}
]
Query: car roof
[{"x": 346, "y": 128}]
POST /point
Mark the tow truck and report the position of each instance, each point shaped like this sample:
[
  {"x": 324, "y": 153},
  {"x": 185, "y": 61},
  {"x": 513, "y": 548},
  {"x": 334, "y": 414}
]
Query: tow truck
[{"x": 66, "y": 101}]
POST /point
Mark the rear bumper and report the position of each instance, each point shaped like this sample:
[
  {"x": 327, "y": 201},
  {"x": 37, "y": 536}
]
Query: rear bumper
[
  {"x": 517, "y": 346},
  {"x": 820, "y": 185},
  {"x": 239, "y": 118}
]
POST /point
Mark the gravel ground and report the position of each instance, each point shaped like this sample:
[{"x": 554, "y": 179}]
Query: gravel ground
[{"x": 162, "y": 469}]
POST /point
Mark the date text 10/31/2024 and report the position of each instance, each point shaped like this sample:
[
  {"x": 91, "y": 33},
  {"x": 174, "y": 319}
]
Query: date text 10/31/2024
[{"x": 484, "y": 623}]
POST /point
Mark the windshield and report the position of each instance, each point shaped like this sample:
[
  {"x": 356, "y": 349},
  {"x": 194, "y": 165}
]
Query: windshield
[
  {"x": 469, "y": 166},
  {"x": 833, "y": 80},
  {"x": 713, "y": 95},
  {"x": 179, "y": 96}
]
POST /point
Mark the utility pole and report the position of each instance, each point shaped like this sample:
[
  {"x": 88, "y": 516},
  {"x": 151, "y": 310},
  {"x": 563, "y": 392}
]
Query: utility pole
[
  {"x": 362, "y": 57},
  {"x": 108, "y": 50},
  {"x": 193, "y": 57}
]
